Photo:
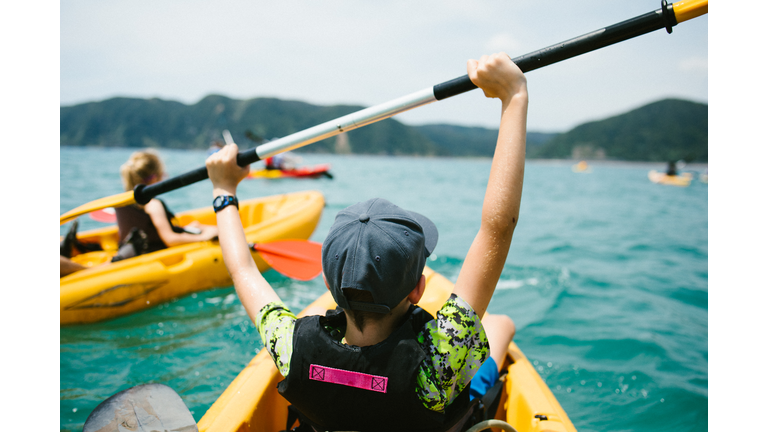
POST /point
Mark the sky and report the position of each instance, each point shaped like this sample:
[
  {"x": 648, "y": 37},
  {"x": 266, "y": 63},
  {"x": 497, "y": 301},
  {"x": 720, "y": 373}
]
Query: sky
[{"x": 366, "y": 53}]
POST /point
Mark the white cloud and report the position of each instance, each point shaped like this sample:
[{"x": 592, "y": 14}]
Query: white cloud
[
  {"x": 693, "y": 64},
  {"x": 502, "y": 42}
]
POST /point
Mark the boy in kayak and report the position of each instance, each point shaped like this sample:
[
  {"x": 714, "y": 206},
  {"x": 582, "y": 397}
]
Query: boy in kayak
[{"x": 380, "y": 363}]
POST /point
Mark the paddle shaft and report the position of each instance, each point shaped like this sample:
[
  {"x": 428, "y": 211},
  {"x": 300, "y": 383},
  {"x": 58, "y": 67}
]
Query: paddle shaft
[{"x": 666, "y": 17}]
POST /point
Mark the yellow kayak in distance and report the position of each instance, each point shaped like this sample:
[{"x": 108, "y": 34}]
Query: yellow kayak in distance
[
  {"x": 581, "y": 167},
  {"x": 251, "y": 403},
  {"x": 681, "y": 180},
  {"x": 108, "y": 290}
]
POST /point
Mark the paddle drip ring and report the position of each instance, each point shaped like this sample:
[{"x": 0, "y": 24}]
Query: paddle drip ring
[{"x": 668, "y": 15}]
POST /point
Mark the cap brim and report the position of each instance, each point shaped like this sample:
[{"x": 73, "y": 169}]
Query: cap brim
[{"x": 430, "y": 231}]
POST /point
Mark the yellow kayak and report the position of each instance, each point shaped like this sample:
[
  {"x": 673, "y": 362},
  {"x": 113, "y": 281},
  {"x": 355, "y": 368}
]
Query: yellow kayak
[
  {"x": 581, "y": 167},
  {"x": 108, "y": 290},
  {"x": 251, "y": 403},
  {"x": 682, "y": 180}
]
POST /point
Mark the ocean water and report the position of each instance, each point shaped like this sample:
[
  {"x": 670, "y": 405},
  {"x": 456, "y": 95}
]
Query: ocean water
[{"x": 606, "y": 280}]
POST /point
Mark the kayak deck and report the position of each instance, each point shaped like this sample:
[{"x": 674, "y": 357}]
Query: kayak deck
[
  {"x": 252, "y": 403},
  {"x": 108, "y": 290}
]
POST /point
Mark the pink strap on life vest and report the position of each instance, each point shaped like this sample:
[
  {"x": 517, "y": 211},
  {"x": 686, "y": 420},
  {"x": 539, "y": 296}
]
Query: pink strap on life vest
[{"x": 348, "y": 378}]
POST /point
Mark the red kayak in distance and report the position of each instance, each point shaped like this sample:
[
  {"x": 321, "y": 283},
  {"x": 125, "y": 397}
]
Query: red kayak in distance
[{"x": 306, "y": 171}]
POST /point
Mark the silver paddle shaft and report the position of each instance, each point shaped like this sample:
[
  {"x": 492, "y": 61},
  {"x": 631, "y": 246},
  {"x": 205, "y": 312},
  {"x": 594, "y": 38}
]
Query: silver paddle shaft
[{"x": 346, "y": 123}]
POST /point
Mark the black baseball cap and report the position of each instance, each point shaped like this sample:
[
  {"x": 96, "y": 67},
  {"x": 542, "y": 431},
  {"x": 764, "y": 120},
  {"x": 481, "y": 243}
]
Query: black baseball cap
[{"x": 378, "y": 247}]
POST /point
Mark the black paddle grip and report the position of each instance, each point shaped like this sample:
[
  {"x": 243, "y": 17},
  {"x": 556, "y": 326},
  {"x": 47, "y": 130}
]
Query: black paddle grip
[
  {"x": 652, "y": 21},
  {"x": 143, "y": 193},
  {"x": 453, "y": 87}
]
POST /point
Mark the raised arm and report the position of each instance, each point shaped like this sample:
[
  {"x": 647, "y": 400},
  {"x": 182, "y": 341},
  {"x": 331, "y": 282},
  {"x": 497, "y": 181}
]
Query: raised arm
[
  {"x": 254, "y": 291},
  {"x": 498, "y": 77}
]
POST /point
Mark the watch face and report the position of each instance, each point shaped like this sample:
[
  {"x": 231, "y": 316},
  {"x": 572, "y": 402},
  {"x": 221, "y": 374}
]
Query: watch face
[{"x": 222, "y": 201}]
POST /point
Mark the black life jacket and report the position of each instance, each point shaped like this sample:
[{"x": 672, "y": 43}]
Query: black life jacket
[
  {"x": 373, "y": 388},
  {"x": 132, "y": 216}
]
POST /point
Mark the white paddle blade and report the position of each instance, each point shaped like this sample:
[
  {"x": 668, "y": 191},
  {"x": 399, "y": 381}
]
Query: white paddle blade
[
  {"x": 228, "y": 137},
  {"x": 145, "y": 408}
]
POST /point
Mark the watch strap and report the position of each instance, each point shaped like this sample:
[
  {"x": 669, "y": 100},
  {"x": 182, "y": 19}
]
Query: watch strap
[{"x": 222, "y": 201}]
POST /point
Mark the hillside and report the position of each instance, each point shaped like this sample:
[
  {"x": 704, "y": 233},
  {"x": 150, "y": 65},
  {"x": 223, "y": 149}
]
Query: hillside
[
  {"x": 666, "y": 130},
  {"x": 127, "y": 122},
  {"x": 472, "y": 141}
]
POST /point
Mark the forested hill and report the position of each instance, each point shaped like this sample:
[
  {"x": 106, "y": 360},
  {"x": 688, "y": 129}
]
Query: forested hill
[
  {"x": 666, "y": 130},
  {"x": 127, "y": 122},
  {"x": 655, "y": 132}
]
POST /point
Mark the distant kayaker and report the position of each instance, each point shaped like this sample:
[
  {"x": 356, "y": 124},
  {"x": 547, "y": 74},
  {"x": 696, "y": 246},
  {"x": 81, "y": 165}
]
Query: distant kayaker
[
  {"x": 270, "y": 163},
  {"x": 282, "y": 161},
  {"x": 150, "y": 227},
  {"x": 671, "y": 169},
  {"x": 379, "y": 362},
  {"x": 215, "y": 146}
]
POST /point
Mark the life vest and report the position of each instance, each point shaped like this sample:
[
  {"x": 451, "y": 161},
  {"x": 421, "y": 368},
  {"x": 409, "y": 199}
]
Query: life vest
[
  {"x": 131, "y": 216},
  {"x": 373, "y": 388},
  {"x": 271, "y": 163}
]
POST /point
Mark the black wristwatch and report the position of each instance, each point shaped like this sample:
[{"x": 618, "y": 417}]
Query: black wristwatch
[{"x": 222, "y": 201}]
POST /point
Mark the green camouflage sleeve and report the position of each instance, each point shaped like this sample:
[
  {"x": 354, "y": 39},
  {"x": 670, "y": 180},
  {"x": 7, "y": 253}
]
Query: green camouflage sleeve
[
  {"x": 275, "y": 323},
  {"x": 456, "y": 347}
]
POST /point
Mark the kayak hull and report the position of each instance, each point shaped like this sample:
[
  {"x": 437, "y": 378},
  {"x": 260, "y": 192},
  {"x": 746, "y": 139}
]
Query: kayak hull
[
  {"x": 105, "y": 291},
  {"x": 681, "y": 180},
  {"x": 309, "y": 172},
  {"x": 251, "y": 402}
]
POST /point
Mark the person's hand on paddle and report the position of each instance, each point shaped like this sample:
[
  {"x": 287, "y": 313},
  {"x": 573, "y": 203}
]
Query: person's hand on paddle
[
  {"x": 224, "y": 172},
  {"x": 497, "y": 76}
]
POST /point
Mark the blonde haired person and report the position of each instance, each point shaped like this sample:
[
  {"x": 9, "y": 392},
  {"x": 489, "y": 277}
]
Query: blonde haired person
[{"x": 148, "y": 228}]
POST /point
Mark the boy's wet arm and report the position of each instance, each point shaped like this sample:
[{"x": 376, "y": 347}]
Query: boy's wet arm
[
  {"x": 251, "y": 287},
  {"x": 501, "y": 206},
  {"x": 253, "y": 290},
  {"x": 481, "y": 270}
]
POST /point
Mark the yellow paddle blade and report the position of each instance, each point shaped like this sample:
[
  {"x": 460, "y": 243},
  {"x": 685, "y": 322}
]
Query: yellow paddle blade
[
  {"x": 688, "y": 9},
  {"x": 119, "y": 200}
]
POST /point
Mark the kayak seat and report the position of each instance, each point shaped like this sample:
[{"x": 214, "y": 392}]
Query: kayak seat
[{"x": 489, "y": 403}]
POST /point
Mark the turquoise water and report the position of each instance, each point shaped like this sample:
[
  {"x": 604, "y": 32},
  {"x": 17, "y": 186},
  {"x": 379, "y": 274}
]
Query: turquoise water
[{"x": 607, "y": 281}]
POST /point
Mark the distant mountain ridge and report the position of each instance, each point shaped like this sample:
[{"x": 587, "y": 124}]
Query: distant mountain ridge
[
  {"x": 133, "y": 122},
  {"x": 667, "y": 130},
  {"x": 128, "y": 122}
]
